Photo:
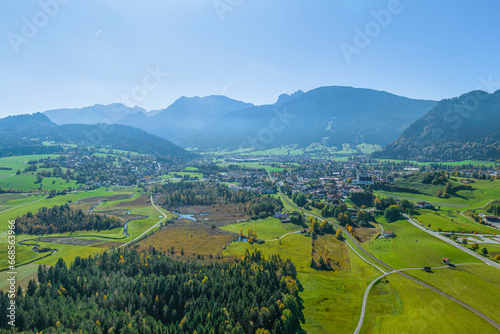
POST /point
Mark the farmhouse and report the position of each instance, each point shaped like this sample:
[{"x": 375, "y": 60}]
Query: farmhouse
[
  {"x": 389, "y": 234},
  {"x": 446, "y": 260}
]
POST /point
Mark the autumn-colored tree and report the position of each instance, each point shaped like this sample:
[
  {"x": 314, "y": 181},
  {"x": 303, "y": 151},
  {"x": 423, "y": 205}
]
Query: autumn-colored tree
[
  {"x": 439, "y": 193},
  {"x": 338, "y": 234},
  {"x": 497, "y": 258},
  {"x": 475, "y": 246},
  {"x": 363, "y": 207},
  {"x": 241, "y": 232},
  {"x": 464, "y": 241}
]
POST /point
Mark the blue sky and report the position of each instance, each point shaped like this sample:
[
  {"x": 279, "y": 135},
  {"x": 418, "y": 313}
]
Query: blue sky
[{"x": 87, "y": 52}]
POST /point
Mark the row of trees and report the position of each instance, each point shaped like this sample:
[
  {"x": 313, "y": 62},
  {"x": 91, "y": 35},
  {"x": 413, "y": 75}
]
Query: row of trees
[
  {"x": 61, "y": 219},
  {"x": 130, "y": 292}
]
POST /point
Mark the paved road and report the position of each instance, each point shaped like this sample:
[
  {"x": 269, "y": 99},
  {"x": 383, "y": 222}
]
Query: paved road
[
  {"x": 453, "y": 243},
  {"x": 367, "y": 292}
]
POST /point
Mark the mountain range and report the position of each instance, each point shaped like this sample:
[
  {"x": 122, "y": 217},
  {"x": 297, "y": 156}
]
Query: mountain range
[
  {"x": 27, "y": 134},
  {"x": 328, "y": 115}
]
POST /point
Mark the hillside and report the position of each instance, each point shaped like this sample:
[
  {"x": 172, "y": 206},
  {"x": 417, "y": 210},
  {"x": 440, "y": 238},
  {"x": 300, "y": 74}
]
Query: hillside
[
  {"x": 25, "y": 134},
  {"x": 461, "y": 128},
  {"x": 328, "y": 115}
]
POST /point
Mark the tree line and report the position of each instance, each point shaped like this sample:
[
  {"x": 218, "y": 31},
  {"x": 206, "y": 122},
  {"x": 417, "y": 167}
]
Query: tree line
[
  {"x": 61, "y": 219},
  {"x": 129, "y": 292}
]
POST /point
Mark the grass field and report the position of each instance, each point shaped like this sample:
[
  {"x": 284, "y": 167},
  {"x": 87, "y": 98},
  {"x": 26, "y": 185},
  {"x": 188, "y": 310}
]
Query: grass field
[
  {"x": 9, "y": 201},
  {"x": 476, "y": 285},
  {"x": 332, "y": 299},
  {"x": 458, "y": 224},
  {"x": 253, "y": 165},
  {"x": 19, "y": 162},
  {"x": 482, "y": 192},
  {"x": 23, "y": 276},
  {"x": 27, "y": 181},
  {"x": 268, "y": 228},
  {"x": 413, "y": 247},
  {"x": 450, "y": 163},
  {"x": 417, "y": 309}
]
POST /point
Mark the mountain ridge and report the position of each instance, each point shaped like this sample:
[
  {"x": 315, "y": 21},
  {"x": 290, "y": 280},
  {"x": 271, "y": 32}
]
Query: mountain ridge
[
  {"x": 330, "y": 115},
  {"x": 464, "y": 127}
]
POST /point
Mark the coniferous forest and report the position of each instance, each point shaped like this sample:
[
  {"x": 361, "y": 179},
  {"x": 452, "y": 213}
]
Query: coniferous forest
[{"x": 131, "y": 292}]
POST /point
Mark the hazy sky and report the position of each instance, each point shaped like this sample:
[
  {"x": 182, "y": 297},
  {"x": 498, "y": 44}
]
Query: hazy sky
[{"x": 74, "y": 53}]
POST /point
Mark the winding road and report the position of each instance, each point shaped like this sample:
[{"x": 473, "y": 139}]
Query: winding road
[{"x": 398, "y": 271}]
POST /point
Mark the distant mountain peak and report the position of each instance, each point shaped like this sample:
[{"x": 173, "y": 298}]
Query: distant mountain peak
[{"x": 284, "y": 98}]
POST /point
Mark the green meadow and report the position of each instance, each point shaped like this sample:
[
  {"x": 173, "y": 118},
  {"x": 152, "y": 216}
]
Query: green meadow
[
  {"x": 268, "y": 228},
  {"x": 413, "y": 247},
  {"x": 476, "y": 285},
  {"x": 403, "y": 306}
]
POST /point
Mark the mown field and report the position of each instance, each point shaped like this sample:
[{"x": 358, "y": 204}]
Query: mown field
[
  {"x": 451, "y": 221},
  {"x": 413, "y": 247},
  {"x": 476, "y": 285},
  {"x": 403, "y": 306},
  {"x": 267, "y": 229},
  {"x": 20, "y": 162}
]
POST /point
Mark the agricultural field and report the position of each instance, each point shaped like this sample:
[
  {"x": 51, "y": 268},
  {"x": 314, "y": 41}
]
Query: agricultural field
[
  {"x": 483, "y": 191},
  {"x": 28, "y": 181},
  {"x": 403, "y": 306},
  {"x": 412, "y": 247},
  {"x": 253, "y": 165},
  {"x": 477, "y": 285},
  {"x": 20, "y": 162},
  {"x": 451, "y": 222},
  {"x": 266, "y": 229}
]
